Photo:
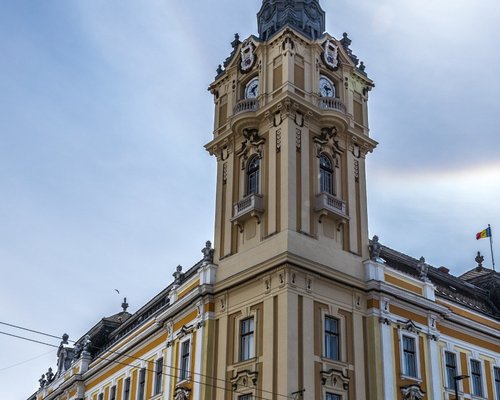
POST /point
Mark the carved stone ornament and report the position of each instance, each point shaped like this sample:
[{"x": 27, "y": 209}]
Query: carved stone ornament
[
  {"x": 335, "y": 378},
  {"x": 182, "y": 393},
  {"x": 248, "y": 57},
  {"x": 423, "y": 269},
  {"x": 327, "y": 139},
  {"x": 253, "y": 141},
  {"x": 245, "y": 379},
  {"x": 331, "y": 55},
  {"x": 375, "y": 248},
  {"x": 208, "y": 252},
  {"x": 412, "y": 392},
  {"x": 409, "y": 326}
]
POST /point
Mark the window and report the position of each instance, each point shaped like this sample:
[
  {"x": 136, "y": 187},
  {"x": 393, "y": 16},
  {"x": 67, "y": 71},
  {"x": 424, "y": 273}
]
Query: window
[
  {"x": 331, "y": 396},
  {"x": 409, "y": 357},
  {"x": 325, "y": 175},
  {"x": 100, "y": 397},
  {"x": 112, "y": 395},
  {"x": 184, "y": 370},
  {"x": 477, "y": 380},
  {"x": 158, "y": 375},
  {"x": 245, "y": 397},
  {"x": 451, "y": 368},
  {"x": 332, "y": 340},
  {"x": 142, "y": 384},
  {"x": 496, "y": 371},
  {"x": 253, "y": 172},
  {"x": 126, "y": 389},
  {"x": 246, "y": 339}
]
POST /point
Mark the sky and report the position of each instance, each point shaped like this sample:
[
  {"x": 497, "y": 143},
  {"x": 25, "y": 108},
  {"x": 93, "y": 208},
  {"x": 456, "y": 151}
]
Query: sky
[{"x": 104, "y": 181}]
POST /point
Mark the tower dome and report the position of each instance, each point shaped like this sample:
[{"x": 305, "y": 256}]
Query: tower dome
[{"x": 305, "y": 16}]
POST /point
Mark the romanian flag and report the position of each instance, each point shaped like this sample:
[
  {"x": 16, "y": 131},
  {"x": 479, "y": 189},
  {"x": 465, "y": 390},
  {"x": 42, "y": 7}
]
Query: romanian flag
[{"x": 484, "y": 234}]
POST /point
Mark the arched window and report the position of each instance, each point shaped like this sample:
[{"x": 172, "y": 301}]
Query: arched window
[
  {"x": 325, "y": 175},
  {"x": 253, "y": 172}
]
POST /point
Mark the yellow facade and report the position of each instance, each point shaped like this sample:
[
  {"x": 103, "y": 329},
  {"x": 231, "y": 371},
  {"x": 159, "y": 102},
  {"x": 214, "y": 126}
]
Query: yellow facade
[{"x": 294, "y": 301}]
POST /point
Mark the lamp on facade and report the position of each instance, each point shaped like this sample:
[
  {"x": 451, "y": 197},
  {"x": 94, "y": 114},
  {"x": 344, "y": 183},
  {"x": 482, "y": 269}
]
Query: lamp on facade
[{"x": 455, "y": 380}]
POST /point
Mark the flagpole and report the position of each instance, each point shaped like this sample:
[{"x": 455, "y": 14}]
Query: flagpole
[{"x": 491, "y": 247}]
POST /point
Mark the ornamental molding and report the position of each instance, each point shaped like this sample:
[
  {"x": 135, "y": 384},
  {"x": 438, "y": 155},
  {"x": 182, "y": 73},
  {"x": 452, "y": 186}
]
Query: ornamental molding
[
  {"x": 335, "y": 378},
  {"x": 328, "y": 140},
  {"x": 253, "y": 143},
  {"x": 182, "y": 393},
  {"x": 412, "y": 392},
  {"x": 247, "y": 56},
  {"x": 244, "y": 378},
  {"x": 222, "y": 150},
  {"x": 409, "y": 326},
  {"x": 330, "y": 55}
]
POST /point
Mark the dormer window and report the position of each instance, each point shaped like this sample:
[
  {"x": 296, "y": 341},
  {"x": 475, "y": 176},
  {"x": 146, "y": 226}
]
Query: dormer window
[
  {"x": 253, "y": 174},
  {"x": 326, "y": 183}
]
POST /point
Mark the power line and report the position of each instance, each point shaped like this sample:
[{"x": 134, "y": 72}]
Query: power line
[
  {"x": 29, "y": 340},
  {"x": 33, "y": 331},
  {"x": 26, "y": 361},
  {"x": 139, "y": 359}
]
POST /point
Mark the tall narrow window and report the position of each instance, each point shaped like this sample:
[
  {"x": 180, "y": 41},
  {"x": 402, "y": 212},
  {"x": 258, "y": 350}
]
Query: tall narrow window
[
  {"x": 325, "y": 175},
  {"x": 112, "y": 395},
  {"x": 332, "y": 341},
  {"x": 253, "y": 173},
  {"x": 126, "y": 389},
  {"x": 158, "y": 375},
  {"x": 246, "y": 339},
  {"x": 245, "y": 397},
  {"x": 496, "y": 371},
  {"x": 184, "y": 370},
  {"x": 142, "y": 384},
  {"x": 409, "y": 356},
  {"x": 451, "y": 368},
  {"x": 476, "y": 377},
  {"x": 100, "y": 397},
  {"x": 331, "y": 396}
]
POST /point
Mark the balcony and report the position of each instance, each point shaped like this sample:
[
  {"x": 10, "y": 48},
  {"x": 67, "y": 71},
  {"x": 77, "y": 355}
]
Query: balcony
[
  {"x": 246, "y": 105},
  {"x": 252, "y": 206},
  {"x": 329, "y": 205},
  {"x": 330, "y": 103}
]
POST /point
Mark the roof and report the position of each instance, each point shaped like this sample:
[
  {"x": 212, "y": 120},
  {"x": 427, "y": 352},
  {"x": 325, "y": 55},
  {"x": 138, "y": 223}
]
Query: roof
[{"x": 474, "y": 295}]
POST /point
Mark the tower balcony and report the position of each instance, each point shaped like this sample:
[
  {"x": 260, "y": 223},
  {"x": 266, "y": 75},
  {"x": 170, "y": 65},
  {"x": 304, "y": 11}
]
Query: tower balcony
[
  {"x": 331, "y": 103},
  {"x": 246, "y": 105},
  {"x": 329, "y": 205},
  {"x": 252, "y": 206}
]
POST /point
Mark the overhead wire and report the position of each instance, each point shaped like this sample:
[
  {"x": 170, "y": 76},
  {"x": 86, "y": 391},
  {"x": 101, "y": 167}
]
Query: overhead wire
[
  {"x": 26, "y": 361},
  {"x": 120, "y": 354}
]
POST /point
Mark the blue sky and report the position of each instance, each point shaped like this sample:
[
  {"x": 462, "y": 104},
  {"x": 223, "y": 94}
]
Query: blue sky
[{"x": 104, "y": 182}]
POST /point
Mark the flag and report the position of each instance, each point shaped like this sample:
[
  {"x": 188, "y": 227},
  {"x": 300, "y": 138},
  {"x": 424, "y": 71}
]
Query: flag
[{"x": 484, "y": 234}]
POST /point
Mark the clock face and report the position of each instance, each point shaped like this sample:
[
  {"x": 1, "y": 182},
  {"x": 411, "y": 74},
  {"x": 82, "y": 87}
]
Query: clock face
[
  {"x": 326, "y": 87},
  {"x": 252, "y": 89}
]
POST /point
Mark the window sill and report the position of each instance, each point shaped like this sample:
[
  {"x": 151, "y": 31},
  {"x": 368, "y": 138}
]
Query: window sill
[
  {"x": 411, "y": 378},
  {"x": 250, "y": 361}
]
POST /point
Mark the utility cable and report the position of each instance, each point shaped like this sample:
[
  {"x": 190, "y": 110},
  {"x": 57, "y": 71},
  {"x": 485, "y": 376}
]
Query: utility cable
[
  {"x": 26, "y": 361},
  {"x": 139, "y": 359}
]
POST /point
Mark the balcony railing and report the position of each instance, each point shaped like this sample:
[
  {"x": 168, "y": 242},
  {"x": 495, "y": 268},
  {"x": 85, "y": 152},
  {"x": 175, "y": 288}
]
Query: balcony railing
[
  {"x": 246, "y": 105},
  {"x": 251, "y": 206},
  {"x": 330, "y": 103},
  {"x": 331, "y": 204}
]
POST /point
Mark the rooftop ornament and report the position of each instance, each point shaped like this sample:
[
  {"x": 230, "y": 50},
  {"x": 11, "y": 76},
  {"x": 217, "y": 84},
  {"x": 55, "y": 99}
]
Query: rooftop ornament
[
  {"x": 479, "y": 259},
  {"x": 375, "y": 248},
  {"x": 423, "y": 269},
  {"x": 208, "y": 252}
]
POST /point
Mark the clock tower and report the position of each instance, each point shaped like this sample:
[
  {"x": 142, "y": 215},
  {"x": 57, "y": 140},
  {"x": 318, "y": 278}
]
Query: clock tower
[
  {"x": 290, "y": 138},
  {"x": 291, "y": 135}
]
